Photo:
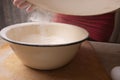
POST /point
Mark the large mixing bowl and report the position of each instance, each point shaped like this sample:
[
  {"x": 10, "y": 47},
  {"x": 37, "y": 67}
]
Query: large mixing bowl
[{"x": 32, "y": 44}]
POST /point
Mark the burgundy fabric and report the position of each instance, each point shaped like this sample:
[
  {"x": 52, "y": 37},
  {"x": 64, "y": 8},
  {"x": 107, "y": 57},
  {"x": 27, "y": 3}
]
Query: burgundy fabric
[{"x": 100, "y": 27}]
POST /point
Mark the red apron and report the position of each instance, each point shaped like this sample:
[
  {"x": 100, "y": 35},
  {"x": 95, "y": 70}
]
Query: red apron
[{"x": 100, "y": 27}]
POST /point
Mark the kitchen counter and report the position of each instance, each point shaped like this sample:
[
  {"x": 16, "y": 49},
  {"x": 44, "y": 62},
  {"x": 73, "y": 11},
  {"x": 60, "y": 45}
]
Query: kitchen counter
[{"x": 108, "y": 53}]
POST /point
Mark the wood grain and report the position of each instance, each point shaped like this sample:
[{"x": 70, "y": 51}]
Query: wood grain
[{"x": 85, "y": 66}]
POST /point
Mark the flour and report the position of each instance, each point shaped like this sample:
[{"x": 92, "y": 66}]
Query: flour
[
  {"x": 42, "y": 17},
  {"x": 43, "y": 40}
]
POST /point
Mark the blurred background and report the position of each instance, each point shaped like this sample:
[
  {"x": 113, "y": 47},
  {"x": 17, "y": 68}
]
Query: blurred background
[{"x": 9, "y": 14}]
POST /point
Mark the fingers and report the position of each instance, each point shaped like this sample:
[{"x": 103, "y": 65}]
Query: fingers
[
  {"x": 18, "y": 3},
  {"x": 22, "y": 4},
  {"x": 30, "y": 8}
]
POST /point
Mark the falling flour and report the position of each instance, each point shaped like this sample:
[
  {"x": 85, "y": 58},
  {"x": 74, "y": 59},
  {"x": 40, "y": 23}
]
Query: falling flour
[{"x": 43, "y": 38}]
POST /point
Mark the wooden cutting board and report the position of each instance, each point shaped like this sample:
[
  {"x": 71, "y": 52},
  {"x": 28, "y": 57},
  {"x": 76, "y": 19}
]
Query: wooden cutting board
[{"x": 85, "y": 66}]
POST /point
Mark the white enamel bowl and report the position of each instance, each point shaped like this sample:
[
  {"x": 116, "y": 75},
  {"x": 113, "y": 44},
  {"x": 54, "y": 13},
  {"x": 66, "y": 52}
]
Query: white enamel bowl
[{"x": 44, "y": 56}]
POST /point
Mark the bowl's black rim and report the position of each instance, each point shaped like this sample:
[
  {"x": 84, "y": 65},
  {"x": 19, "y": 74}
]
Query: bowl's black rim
[{"x": 39, "y": 45}]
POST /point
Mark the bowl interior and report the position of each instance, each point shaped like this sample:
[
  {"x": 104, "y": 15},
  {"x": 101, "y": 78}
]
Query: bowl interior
[{"x": 44, "y": 34}]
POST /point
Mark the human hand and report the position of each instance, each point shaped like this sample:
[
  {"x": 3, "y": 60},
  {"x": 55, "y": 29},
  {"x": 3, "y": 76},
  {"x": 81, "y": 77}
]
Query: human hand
[{"x": 23, "y": 4}]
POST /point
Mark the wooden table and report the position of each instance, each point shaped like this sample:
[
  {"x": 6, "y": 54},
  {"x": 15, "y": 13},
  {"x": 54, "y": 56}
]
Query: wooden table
[{"x": 85, "y": 66}]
